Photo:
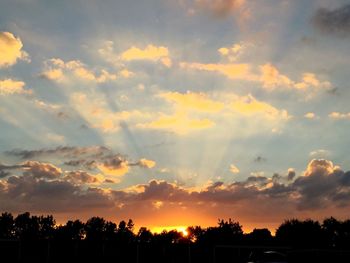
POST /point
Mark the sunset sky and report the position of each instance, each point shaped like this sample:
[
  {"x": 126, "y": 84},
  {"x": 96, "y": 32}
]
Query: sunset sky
[{"x": 175, "y": 112}]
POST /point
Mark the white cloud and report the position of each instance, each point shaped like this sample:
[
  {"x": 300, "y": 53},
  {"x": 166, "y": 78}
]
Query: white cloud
[{"x": 11, "y": 50}]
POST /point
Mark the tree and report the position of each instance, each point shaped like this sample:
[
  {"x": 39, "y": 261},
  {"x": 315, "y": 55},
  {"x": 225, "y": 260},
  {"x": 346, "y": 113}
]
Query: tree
[
  {"x": 72, "y": 230},
  {"x": 6, "y": 226},
  {"x": 305, "y": 234},
  {"x": 46, "y": 226},
  {"x": 95, "y": 228},
  {"x": 26, "y": 226},
  {"x": 144, "y": 235},
  {"x": 259, "y": 236}
]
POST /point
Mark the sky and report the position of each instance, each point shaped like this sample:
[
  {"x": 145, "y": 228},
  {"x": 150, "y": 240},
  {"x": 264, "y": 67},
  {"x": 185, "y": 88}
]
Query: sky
[{"x": 175, "y": 112}]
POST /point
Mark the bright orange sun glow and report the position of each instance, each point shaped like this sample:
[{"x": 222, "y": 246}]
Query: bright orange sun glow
[{"x": 180, "y": 229}]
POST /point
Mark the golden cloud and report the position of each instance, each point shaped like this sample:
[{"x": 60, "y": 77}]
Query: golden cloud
[
  {"x": 151, "y": 52},
  {"x": 9, "y": 86},
  {"x": 11, "y": 49},
  {"x": 234, "y": 169},
  {"x": 248, "y": 105},
  {"x": 232, "y": 71},
  {"x": 196, "y": 101},
  {"x": 179, "y": 123},
  {"x": 146, "y": 163}
]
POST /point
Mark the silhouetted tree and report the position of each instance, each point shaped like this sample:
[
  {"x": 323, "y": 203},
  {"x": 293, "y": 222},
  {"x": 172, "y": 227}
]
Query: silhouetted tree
[
  {"x": 306, "y": 234},
  {"x": 95, "y": 228},
  {"x": 144, "y": 235},
  {"x": 195, "y": 233},
  {"x": 46, "y": 227},
  {"x": 6, "y": 226},
  {"x": 332, "y": 230},
  {"x": 26, "y": 226},
  {"x": 72, "y": 230},
  {"x": 227, "y": 232},
  {"x": 124, "y": 232},
  {"x": 259, "y": 236}
]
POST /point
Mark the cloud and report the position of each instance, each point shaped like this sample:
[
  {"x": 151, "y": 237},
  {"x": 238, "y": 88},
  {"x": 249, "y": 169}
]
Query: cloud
[
  {"x": 179, "y": 123},
  {"x": 11, "y": 50},
  {"x": 248, "y": 105},
  {"x": 95, "y": 109},
  {"x": 310, "y": 115},
  {"x": 145, "y": 163},
  {"x": 195, "y": 101},
  {"x": 81, "y": 177},
  {"x": 58, "y": 70},
  {"x": 334, "y": 22},
  {"x": 115, "y": 166},
  {"x": 338, "y": 115},
  {"x": 320, "y": 153},
  {"x": 9, "y": 87},
  {"x": 63, "y": 151},
  {"x": 233, "y": 52},
  {"x": 150, "y": 52},
  {"x": 43, "y": 187},
  {"x": 269, "y": 76},
  {"x": 41, "y": 170},
  {"x": 232, "y": 71},
  {"x": 234, "y": 169}
]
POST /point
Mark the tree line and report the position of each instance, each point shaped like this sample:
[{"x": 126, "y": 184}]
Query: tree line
[{"x": 331, "y": 233}]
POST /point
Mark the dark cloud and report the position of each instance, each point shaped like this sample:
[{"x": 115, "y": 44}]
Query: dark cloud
[
  {"x": 80, "y": 177},
  {"x": 41, "y": 170},
  {"x": 65, "y": 151},
  {"x": 335, "y": 22}
]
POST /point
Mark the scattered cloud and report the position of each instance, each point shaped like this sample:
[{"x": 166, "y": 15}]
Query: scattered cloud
[
  {"x": 11, "y": 50},
  {"x": 234, "y": 169},
  {"x": 179, "y": 123},
  {"x": 310, "y": 115},
  {"x": 10, "y": 86},
  {"x": 248, "y": 105},
  {"x": 150, "y": 52},
  {"x": 58, "y": 70},
  {"x": 232, "y": 71},
  {"x": 334, "y": 22},
  {"x": 338, "y": 115},
  {"x": 195, "y": 101}
]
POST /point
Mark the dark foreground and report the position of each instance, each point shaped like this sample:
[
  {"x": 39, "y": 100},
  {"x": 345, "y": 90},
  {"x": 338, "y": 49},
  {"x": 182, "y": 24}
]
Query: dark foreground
[{"x": 91, "y": 251}]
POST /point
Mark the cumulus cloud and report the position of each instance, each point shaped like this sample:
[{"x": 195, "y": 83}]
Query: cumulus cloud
[
  {"x": 58, "y": 70},
  {"x": 334, "y": 22},
  {"x": 11, "y": 49},
  {"x": 150, "y": 52},
  {"x": 10, "y": 86},
  {"x": 43, "y": 187},
  {"x": 310, "y": 115},
  {"x": 190, "y": 100},
  {"x": 145, "y": 163},
  {"x": 81, "y": 177}
]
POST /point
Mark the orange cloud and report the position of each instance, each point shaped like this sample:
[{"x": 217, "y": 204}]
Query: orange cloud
[
  {"x": 151, "y": 52},
  {"x": 232, "y": 71},
  {"x": 11, "y": 50},
  {"x": 9, "y": 87},
  {"x": 196, "y": 101},
  {"x": 248, "y": 105},
  {"x": 179, "y": 123}
]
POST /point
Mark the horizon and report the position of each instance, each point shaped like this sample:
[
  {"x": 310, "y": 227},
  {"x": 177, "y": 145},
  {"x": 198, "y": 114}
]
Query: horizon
[{"x": 175, "y": 113}]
